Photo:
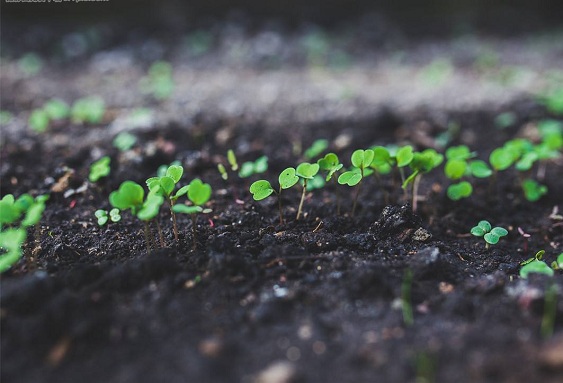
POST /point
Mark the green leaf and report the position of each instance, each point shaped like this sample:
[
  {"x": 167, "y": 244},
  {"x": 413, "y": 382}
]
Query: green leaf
[
  {"x": 199, "y": 192},
  {"x": 491, "y": 238},
  {"x": 318, "y": 182},
  {"x": 24, "y": 202},
  {"x": 124, "y": 141},
  {"x": 232, "y": 160},
  {"x": 261, "y": 165},
  {"x": 500, "y": 159},
  {"x": 331, "y": 163},
  {"x": 499, "y": 231},
  {"x": 100, "y": 168},
  {"x": 175, "y": 172},
  {"x": 533, "y": 190},
  {"x": 350, "y": 178},
  {"x": 455, "y": 169},
  {"x": 316, "y": 149},
  {"x": 56, "y": 109},
  {"x": 480, "y": 169},
  {"x": 381, "y": 156},
  {"x": 307, "y": 170},
  {"x": 460, "y": 152},
  {"x": 103, "y": 220},
  {"x": 153, "y": 183},
  {"x": 184, "y": 209},
  {"x": 246, "y": 170},
  {"x": 527, "y": 161},
  {"x": 88, "y": 109},
  {"x": 114, "y": 215},
  {"x": 167, "y": 184},
  {"x": 261, "y": 189},
  {"x": 11, "y": 240},
  {"x": 39, "y": 120},
  {"x": 9, "y": 213},
  {"x": 477, "y": 231},
  {"x": 33, "y": 214},
  {"x": 130, "y": 195},
  {"x": 362, "y": 158},
  {"x": 538, "y": 267},
  {"x": 222, "y": 171},
  {"x": 183, "y": 190},
  {"x": 288, "y": 178},
  {"x": 460, "y": 190},
  {"x": 150, "y": 207},
  {"x": 404, "y": 156},
  {"x": 426, "y": 160}
]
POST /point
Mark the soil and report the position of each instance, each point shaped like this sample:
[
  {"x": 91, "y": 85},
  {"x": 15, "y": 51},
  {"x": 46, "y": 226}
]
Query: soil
[{"x": 313, "y": 300}]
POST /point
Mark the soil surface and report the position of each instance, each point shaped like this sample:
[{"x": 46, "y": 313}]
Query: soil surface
[{"x": 314, "y": 300}]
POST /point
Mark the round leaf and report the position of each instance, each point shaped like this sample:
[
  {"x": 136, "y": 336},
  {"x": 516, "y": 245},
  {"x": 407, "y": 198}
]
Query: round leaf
[
  {"x": 477, "y": 231},
  {"x": 499, "y": 231},
  {"x": 404, "y": 156},
  {"x": 184, "y": 209},
  {"x": 350, "y": 178},
  {"x": 288, "y": 178},
  {"x": 455, "y": 169},
  {"x": 175, "y": 172},
  {"x": 485, "y": 225},
  {"x": 491, "y": 238},
  {"x": 199, "y": 192},
  {"x": 261, "y": 189},
  {"x": 362, "y": 158},
  {"x": 167, "y": 184},
  {"x": 458, "y": 191},
  {"x": 307, "y": 170},
  {"x": 539, "y": 267},
  {"x": 480, "y": 169},
  {"x": 500, "y": 159},
  {"x": 130, "y": 195}
]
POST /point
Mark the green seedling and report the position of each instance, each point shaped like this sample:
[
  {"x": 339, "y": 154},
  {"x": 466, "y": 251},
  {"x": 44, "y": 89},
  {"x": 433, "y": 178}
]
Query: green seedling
[
  {"x": 533, "y": 190},
  {"x": 422, "y": 163},
  {"x": 331, "y": 164},
  {"x": 306, "y": 172},
  {"x": 253, "y": 167},
  {"x": 262, "y": 189},
  {"x": 361, "y": 160},
  {"x": 316, "y": 149},
  {"x": 383, "y": 162},
  {"x": 124, "y": 141},
  {"x": 165, "y": 185},
  {"x": 56, "y": 109},
  {"x": 103, "y": 216},
  {"x": 490, "y": 234},
  {"x": 99, "y": 169},
  {"x": 460, "y": 164},
  {"x": 233, "y": 164},
  {"x": 11, "y": 240},
  {"x": 535, "y": 265},
  {"x": 89, "y": 110},
  {"x": 158, "y": 82},
  {"x": 460, "y": 190},
  {"x": 198, "y": 193},
  {"x": 558, "y": 264},
  {"x": 39, "y": 120}
]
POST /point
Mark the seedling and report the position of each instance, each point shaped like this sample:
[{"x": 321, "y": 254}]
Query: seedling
[
  {"x": 262, "y": 189},
  {"x": 306, "y": 172},
  {"x": 165, "y": 186},
  {"x": 233, "y": 164},
  {"x": 124, "y": 141},
  {"x": 533, "y": 190},
  {"x": 361, "y": 160},
  {"x": 558, "y": 264},
  {"x": 490, "y": 234},
  {"x": 39, "y": 120},
  {"x": 89, "y": 110},
  {"x": 11, "y": 240},
  {"x": 459, "y": 164},
  {"x": 535, "y": 265},
  {"x": 103, "y": 216},
  {"x": 422, "y": 162},
  {"x": 100, "y": 168},
  {"x": 198, "y": 193},
  {"x": 56, "y": 109},
  {"x": 257, "y": 167},
  {"x": 460, "y": 190},
  {"x": 315, "y": 149},
  {"x": 159, "y": 81}
]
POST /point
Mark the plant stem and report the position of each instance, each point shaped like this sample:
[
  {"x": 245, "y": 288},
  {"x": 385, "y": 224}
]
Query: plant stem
[
  {"x": 280, "y": 206},
  {"x": 356, "y": 198},
  {"x": 160, "y": 236},
  {"x": 147, "y": 237},
  {"x": 337, "y": 197},
  {"x": 415, "y": 192},
  {"x": 173, "y": 220},
  {"x": 302, "y": 199}
]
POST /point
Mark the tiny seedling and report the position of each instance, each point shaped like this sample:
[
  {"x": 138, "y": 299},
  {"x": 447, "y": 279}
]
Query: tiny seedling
[
  {"x": 459, "y": 164},
  {"x": 533, "y": 190},
  {"x": 233, "y": 164},
  {"x": 198, "y": 193},
  {"x": 306, "y": 172},
  {"x": 558, "y": 264},
  {"x": 331, "y": 164},
  {"x": 262, "y": 189},
  {"x": 159, "y": 81},
  {"x": 11, "y": 240},
  {"x": 535, "y": 265},
  {"x": 165, "y": 185},
  {"x": 38, "y": 120},
  {"x": 361, "y": 160},
  {"x": 89, "y": 110},
  {"x": 124, "y": 141},
  {"x": 56, "y": 109},
  {"x": 459, "y": 190},
  {"x": 253, "y": 167},
  {"x": 316, "y": 149},
  {"x": 103, "y": 216},
  {"x": 100, "y": 168},
  {"x": 421, "y": 163},
  {"x": 489, "y": 233}
]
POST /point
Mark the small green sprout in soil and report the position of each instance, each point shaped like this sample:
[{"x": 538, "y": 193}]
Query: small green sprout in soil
[
  {"x": 306, "y": 172},
  {"x": 165, "y": 185},
  {"x": 38, "y": 120},
  {"x": 233, "y": 164},
  {"x": 103, "y": 216},
  {"x": 90, "y": 110},
  {"x": 262, "y": 189},
  {"x": 99, "y": 169},
  {"x": 198, "y": 193},
  {"x": 422, "y": 163},
  {"x": 159, "y": 82},
  {"x": 11, "y": 240},
  {"x": 316, "y": 149},
  {"x": 535, "y": 265},
  {"x": 533, "y": 190},
  {"x": 490, "y": 234},
  {"x": 56, "y": 109},
  {"x": 250, "y": 168},
  {"x": 331, "y": 165},
  {"x": 558, "y": 263},
  {"x": 361, "y": 160},
  {"x": 124, "y": 141}
]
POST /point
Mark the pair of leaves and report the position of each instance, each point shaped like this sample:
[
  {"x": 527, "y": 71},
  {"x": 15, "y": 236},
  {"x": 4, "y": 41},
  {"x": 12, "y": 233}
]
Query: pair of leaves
[
  {"x": 104, "y": 216},
  {"x": 12, "y": 209},
  {"x": 330, "y": 163},
  {"x": 11, "y": 240},
  {"x": 198, "y": 193},
  {"x": 460, "y": 190},
  {"x": 262, "y": 189},
  {"x": 361, "y": 160},
  {"x": 100, "y": 168},
  {"x": 489, "y": 233},
  {"x": 257, "y": 167}
]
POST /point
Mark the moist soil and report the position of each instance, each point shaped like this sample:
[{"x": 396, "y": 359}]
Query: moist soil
[{"x": 314, "y": 300}]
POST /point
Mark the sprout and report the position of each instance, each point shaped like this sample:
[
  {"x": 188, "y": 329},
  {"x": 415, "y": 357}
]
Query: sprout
[
  {"x": 535, "y": 265},
  {"x": 257, "y": 167},
  {"x": 361, "y": 160},
  {"x": 306, "y": 172},
  {"x": 460, "y": 190},
  {"x": 39, "y": 120},
  {"x": 421, "y": 163},
  {"x": 130, "y": 195},
  {"x": 100, "y": 168},
  {"x": 232, "y": 159},
  {"x": 316, "y": 149},
  {"x": 558, "y": 264},
  {"x": 533, "y": 191},
  {"x": 56, "y": 109},
  {"x": 490, "y": 234},
  {"x": 262, "y": 189},
  {"x": 124, "y": 141},
  {"x": 88, "y": 110},
  {"x": 11, "y": 240},
  {"x": 198, "y": 193},
  {"x": 103, "y": 216},
  {"x": 159, "y": 82}
]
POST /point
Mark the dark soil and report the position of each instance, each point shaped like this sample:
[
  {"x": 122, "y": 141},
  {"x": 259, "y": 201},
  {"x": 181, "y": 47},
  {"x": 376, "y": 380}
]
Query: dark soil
[{"x": 316, "y": 300}]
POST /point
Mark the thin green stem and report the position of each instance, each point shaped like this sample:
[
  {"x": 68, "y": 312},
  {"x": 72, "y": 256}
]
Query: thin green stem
[
  {"x": 171, "y": 202},
  {"x": 415, "y": 192},
  {"x": 280, "y": 206},
  {"x": 302, "y": 199},
  {"x": 147, "y": 237}
]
